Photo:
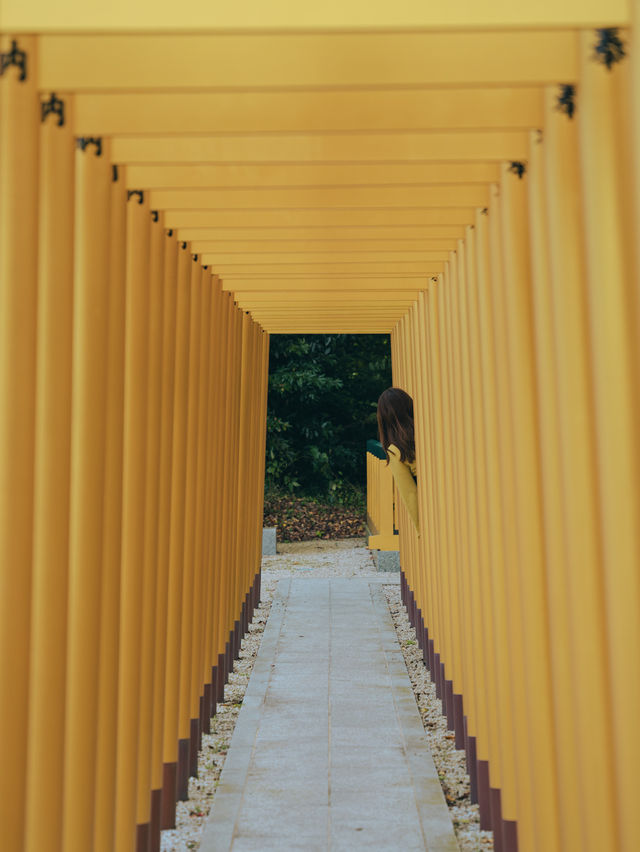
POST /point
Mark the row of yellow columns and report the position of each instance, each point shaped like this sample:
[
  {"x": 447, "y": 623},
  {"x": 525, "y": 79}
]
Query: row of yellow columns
[
  {"x": 524, "y": 587},
  {"x": 132, "y": 426}
]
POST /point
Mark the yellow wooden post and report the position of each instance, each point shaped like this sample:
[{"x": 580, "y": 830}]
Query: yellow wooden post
[
  {"x": 534, "y": 721},
  {"x": 234, "y": 490},
  {"x": 424, "y": 461},
  {"x": 219, "y": 503},
  {"x": 262, "y": 377},
  {"x": 426, "y": 481},
  {"x": 566, "y": 421},
  {"x": 503, "y": 544},
  {"x": 442, "y": 624},
  {"x": 133, "y": 514},
  {"x": 463, "y": 466},
  {"x": 416, "y": 544},
  {"x": 212, "y": 518},
  {"x": 91, "y": 304},
  {"x": 613, "y": 329},
  {"x": 176, "y": 540},
  {"x": 47, "y": 669},
  {"x": 487, "y": 736},
  {"x": 112, "y": 536},
  {"x": 186, "y": 640},
  {"x": 219, "y": 583},
  {"x": 169, "y": 285},
  {"x": 476, "y": 715},
  {"x": 452, "y": 661},
  {"x": 197, "y": 683},
  {"x": 434, "y": 504},
  {"x": 150, "y": 578},
  {"x": 242, "y": 516},
  {"x": 263, "y": 448},
  {"x": 19, "y": 107},
  {"x": 254, "y": 406}
]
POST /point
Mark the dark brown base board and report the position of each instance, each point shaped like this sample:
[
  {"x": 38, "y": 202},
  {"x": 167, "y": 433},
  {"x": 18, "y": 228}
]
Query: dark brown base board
[
  {"x": 221, "y": 677},
  {"x": 143, "y": 834},
  {"x": 458, "y": 718},
  {"x": 194, "y": 747},
  {"x": 509, "y": 835},
  {"x": 205, "y": 709},
  {"x": 496, "y": 818},
  {"x": 448, "y": 704},
  {"x": 156, "y": 814},
  {"x": 169, "y": 795},
  {"x": 472, "y": 763},
  {"x": 484, "y": 795},
  {"x": 183, "y": 769}
]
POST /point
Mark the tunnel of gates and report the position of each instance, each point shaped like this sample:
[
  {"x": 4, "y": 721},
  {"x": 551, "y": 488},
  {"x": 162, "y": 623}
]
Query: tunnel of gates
[{"x": 465, "y": 182}]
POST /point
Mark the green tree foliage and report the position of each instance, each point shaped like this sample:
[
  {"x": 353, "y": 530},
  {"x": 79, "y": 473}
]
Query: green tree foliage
[{"x": 323, "y": 391}]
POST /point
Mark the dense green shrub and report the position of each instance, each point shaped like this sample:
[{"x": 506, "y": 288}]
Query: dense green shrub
[{"x": 323, "y": 391}]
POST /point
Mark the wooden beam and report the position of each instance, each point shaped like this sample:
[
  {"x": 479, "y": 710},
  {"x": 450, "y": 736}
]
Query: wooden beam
[
  {"x": 287, "y": 15},
  {"x": 414, "y": 146},
  {"x": 275, "y": 60},
  {"x": 270, "y": 285},
  {"x": 308, "y": 111},
  {"x": 320, "y": 303},
  {"x": 359, "y": 218},
  {"x": 304, "y": 297},
  {"x": 242, "y": 248},
  {"x": 258, "y": 237},
  {"x": 277, "y": 175},
  {"x": 220, "y": 260},
  {"x": 340, "y": 269},
  {"x": 327, "y": 328},
  {"x": 330, "y": 307},
  {"x": 314, "y": 277},
  {"x": 443, "y": 195}
]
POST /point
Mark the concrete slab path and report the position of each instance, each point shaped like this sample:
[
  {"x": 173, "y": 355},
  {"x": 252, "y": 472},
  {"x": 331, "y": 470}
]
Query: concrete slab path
[{"x": 329, "y": 751}]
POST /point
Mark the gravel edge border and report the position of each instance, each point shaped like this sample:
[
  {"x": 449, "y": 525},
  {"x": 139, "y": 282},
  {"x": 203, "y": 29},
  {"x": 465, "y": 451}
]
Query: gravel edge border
[{"x": 450, "y": 762}]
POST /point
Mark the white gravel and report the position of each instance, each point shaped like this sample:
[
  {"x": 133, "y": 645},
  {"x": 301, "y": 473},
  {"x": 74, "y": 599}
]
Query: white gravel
[{"x": 345, "y": 558}]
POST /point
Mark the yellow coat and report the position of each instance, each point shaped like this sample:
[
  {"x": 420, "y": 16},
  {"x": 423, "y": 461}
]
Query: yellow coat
[{"x": 403, "y": 475}]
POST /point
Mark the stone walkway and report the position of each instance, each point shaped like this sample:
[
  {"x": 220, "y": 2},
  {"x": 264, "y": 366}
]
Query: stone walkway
[{"x": 329, "y": 752}]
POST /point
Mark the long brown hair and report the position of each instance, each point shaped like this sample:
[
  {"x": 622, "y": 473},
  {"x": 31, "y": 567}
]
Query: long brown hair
[{"x": 395, "y": 423}]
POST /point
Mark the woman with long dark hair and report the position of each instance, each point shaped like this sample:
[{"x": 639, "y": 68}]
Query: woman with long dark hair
[{"x": 395, "y": 428}]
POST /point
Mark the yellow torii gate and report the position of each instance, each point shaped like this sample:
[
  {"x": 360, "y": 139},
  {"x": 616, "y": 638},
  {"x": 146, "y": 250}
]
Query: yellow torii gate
[{"x": 179, "y": 182}]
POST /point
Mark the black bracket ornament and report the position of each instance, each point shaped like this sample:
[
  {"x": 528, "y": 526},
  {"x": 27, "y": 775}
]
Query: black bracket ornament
[
  {"x": 609, "y": 49},
  {"x": 15, "y": 57},
  {"x": 154, "y": 215},
  {"x": 170, "y": 232},
  {"x": 84, "y": 142},
  {"x": 194, "y": 256},
  {"x": 518, "y": 168},
  {"x": 114, "y": 173},
  {"x": 184, "y": 245},
  {"x": 566, "y": 100},
  {"x": 54, "y": 106},
  {"x": 138, "y": 192}
]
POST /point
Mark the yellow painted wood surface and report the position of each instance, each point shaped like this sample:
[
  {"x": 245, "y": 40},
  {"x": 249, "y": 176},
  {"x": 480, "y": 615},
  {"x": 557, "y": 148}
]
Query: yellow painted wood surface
[
  {"x": 410, "y": 177},
  {"x": 287, "y": 15}
]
